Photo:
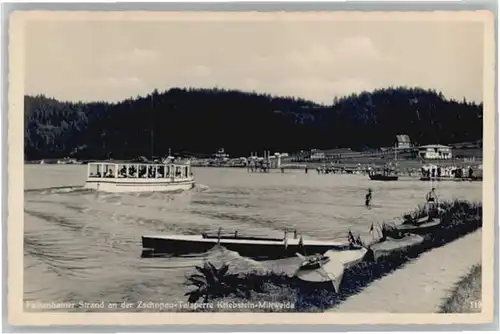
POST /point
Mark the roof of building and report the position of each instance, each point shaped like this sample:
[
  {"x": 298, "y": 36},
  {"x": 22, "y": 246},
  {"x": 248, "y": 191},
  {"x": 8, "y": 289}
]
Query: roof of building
[
  {"x": 403, "y": 138},
  {"x": 336, "y": 150},
  {"x": 434, "y": 146}
]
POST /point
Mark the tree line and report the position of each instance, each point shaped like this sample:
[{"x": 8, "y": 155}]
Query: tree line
[{"x": 200, "y": 121}]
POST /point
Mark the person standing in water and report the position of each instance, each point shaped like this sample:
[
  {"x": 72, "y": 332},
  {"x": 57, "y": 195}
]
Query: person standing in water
[
  {"x": 431, "y": 199},
  {"x": 431, "y": 196},
  {"x": 368, "y": 198}
]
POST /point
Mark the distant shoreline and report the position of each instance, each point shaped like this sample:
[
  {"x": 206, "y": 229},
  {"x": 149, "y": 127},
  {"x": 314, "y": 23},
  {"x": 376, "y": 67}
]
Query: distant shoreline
[{"x": 310, "y": 164}]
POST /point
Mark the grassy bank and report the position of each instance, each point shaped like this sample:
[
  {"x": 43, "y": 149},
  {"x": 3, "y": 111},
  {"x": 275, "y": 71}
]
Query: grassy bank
[
  {"x": 466, "y": 295},
  {"x": 458, "y": 219}
]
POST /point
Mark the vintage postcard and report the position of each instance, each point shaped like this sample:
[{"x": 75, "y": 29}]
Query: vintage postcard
[{"x": 251, "y": 168}]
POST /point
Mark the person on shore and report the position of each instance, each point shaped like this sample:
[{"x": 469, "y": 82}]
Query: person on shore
[{"x": 368, "y": 199}]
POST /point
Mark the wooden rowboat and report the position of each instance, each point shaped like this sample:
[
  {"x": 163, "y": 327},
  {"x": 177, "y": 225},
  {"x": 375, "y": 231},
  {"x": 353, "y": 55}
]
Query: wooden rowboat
[
  {"x": 329, "y": 267},
  {"x": 390, "y": 245},
  {"x": 248, "y": 246}
]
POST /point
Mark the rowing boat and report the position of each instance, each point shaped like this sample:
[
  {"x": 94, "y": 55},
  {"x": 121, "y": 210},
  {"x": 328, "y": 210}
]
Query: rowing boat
[
  {"x": 390, "y": 245},
  {"x": 416, "y": 228},
  {"x": 330, "y": 266},
  {"x": 247, "y": 246}
]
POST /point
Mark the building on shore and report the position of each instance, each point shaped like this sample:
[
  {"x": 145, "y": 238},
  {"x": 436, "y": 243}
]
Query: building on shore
[
  {"x": 403, "y": 142},
  {"x": 317, "y": 155},
  {"x": 429, "y": 152},
  {"x": 221, "y": 155}
]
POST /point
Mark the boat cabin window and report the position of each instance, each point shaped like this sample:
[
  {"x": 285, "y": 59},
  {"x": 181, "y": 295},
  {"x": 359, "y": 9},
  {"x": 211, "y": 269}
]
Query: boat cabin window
[
  {"x": 122, "y": 171},
  {"x": 131, "y": 171},
  {"x": 101, "y": 170},
  {"x": 142, "y": 171},
  {"x": 160, "y": 172}
]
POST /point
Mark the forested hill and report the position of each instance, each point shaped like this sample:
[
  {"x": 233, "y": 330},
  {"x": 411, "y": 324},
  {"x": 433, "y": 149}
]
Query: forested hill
[{"x": 202, "y": 120}]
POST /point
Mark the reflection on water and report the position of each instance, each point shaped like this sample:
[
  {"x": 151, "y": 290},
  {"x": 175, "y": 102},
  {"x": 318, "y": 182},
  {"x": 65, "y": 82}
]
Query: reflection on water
[{"x": 82, "y": 245}]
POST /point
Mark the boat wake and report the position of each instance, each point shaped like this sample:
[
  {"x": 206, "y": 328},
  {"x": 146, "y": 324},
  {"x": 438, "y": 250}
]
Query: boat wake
[
  {"x": 201, "y": 188},
  {"x": 54, "y": 190}
]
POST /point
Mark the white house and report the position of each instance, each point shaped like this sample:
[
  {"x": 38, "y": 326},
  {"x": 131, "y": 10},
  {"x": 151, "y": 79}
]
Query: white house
[
  {"x": 434, "y": 152},
  {"x": 317, "y": 155},
  {"x": 403, "y": 142}
]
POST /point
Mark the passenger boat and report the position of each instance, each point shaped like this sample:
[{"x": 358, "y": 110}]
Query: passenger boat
[
  {"x": 259, "y": 248},
  {"x": 389, "y": 172},
  {"x": 119, "y": 177},
  {"x": 385, "y": 175},
  {"x": 329, "y": 267}
]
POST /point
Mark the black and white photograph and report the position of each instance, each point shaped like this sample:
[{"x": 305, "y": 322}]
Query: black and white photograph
[{"x": 191, "y": 162}]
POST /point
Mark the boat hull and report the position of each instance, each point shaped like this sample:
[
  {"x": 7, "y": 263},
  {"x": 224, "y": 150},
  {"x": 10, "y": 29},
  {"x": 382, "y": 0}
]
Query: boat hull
[
  {"x": 378, "y": 177},
  {"x": 419, "y": 229},
  {"x": 333, "y": 271},
  {"x": 258, "y": 249},
  {"x": 138, "y": 185},
  {"x": 391, "y": 245}
]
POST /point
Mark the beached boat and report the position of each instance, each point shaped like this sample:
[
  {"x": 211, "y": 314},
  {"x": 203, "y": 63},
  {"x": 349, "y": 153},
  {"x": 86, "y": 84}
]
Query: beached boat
[
  {"x": 119, "y": 177},
  {"x": 419, "y": 228},
  {"x": 247, "y": 246},
  {"x": 389, "y": 245},
  {"x": 329, "y": 267}
]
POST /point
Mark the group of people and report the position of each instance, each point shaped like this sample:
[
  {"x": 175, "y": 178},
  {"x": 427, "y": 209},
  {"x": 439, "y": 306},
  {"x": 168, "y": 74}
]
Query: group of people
[{"x": 447, "y": 171}]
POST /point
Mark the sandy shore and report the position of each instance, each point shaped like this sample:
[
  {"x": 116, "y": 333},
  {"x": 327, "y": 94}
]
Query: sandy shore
[{"x": 422, "y": 285}]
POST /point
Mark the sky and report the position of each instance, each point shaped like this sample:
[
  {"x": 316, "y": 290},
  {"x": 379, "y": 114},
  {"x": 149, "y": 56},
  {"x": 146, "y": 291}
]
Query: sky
[{"x": 95, "y": 60}]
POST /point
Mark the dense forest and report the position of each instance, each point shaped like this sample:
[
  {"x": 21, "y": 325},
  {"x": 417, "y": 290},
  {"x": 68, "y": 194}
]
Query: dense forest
[{"x": 202, "y": 120}]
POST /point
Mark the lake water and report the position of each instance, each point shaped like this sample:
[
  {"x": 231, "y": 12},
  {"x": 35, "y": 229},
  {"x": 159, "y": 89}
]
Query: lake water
[{"x": 85, "y": 246}]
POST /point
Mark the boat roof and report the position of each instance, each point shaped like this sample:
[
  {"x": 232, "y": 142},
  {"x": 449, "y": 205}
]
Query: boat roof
[
  {"x": 434, "y": 146},
  {"x": 132, "y": 162}
]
